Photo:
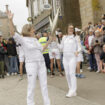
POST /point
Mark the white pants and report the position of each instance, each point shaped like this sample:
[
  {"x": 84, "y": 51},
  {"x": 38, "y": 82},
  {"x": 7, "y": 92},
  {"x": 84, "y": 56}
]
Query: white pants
[
  {"x": 56, "y": 56},
  {"x": 70, "y": 69},
  {"x": 33, "y": 70}
]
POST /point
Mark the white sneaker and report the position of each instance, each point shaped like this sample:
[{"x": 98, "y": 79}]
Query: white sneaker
[
  {"x": 81, "y": 70},
  {"x": 12, "y": 74},
  {"x": 8, "y": 74},
  {"x": 15, "y": 73},
  {"x": 71, "y": 94},
  {"x": 97, "y": 71}
]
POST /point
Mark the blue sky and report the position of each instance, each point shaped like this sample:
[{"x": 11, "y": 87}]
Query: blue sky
[{"x": 18, "y": 7}]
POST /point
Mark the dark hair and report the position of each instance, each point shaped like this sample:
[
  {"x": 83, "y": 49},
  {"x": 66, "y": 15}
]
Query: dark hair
[
  {"x": 103, "y": 28},
  {"x": 90, "y": 23},
  {"x": 104, "y": 39},
  {"x": 103, "y": 18},
  {"x": 10, "y": 39}
]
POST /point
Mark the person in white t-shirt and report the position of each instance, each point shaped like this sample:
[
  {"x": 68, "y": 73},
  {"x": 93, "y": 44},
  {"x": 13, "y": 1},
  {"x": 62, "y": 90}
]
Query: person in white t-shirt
[
  {"x": 35, "y": 64},
  {"x": 80, "y": 55},
  {"x": 92, "y": 59}
]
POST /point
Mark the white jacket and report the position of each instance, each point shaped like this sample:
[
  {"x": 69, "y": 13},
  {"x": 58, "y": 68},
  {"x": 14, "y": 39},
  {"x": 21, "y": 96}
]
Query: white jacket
[
  {"x": 31, "y": 47},
  {"x": 69, "y": 45}
]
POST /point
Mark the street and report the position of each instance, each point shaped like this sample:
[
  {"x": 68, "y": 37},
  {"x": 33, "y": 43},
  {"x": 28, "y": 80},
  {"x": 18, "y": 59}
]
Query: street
[{"x": 90, "y": 90}]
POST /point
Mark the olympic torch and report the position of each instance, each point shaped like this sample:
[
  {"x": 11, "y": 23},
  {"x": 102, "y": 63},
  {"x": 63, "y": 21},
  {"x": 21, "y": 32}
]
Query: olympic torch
[{"x": 53, "y": 24}]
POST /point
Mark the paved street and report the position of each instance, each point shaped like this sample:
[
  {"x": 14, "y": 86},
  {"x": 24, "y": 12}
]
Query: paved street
[{"x": 13, "y": 91}]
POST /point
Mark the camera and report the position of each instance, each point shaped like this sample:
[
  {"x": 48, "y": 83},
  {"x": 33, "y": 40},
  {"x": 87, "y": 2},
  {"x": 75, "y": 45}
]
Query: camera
[{"x": 96, "y": 41}]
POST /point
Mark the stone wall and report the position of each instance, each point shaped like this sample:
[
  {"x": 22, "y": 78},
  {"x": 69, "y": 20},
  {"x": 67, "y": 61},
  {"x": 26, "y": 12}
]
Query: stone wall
[
  {"x": 4, "y": 27},
  {"x": 102, "y": 3},
  {"x": 91, "y": 10},
  {"x": 78, "y": 12},
  {"x": 86, "y": 12},
  {"x": 71, "y": 14}
]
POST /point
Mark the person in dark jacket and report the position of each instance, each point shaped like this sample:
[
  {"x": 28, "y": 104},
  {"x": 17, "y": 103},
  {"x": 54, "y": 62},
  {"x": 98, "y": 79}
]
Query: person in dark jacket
[
  {"x": 2, "y": 53},
  {"x": 12, "y": 54},
  {"x": 102, "y": 60}
]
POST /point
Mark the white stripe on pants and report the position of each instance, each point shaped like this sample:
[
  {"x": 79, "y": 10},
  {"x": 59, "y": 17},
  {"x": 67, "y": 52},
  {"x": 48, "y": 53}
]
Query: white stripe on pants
[
  {"x": 70, "y": 69},
  {"x": 34, "y": 69}
]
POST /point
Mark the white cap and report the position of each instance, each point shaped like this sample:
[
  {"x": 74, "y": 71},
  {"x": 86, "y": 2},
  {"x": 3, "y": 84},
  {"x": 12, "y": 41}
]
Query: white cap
[{"x": 77, "y": 30}]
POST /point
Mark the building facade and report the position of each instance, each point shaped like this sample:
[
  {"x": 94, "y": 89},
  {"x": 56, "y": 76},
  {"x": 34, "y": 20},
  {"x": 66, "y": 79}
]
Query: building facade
[
  {"x": 77, "y": 12},
  {"x": 40, "y": 17},
  {"x": 91, "y": 11},
  {"x": 4, "y": 28}
]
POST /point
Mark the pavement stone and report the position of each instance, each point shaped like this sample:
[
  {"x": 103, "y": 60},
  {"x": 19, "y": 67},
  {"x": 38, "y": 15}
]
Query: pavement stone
[{"x": 13, "y": 92}]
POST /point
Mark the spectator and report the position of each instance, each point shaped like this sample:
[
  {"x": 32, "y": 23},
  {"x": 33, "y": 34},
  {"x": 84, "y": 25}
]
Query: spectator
[
  {"x": 102, "y": 61},
  {"x": 99, "y": 27},
  {"x": 2, "y": 53},
  {"x": 60, "y": 36},
  {"x": 54, "y": 53},
  {"x": 90, "y": 26},
  {"x": 43, "y": 40},
  {"x": 92, "y": 60},
  {"x": 12, "y": 54},
  {"x": 97, "y": 47},
  {"x": 103, "y": 35},
  {"x": 80, "y": 55}
]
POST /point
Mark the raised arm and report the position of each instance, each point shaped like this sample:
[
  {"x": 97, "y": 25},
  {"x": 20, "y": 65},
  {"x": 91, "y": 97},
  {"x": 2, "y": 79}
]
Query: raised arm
[{"x": 11, "y": 25}]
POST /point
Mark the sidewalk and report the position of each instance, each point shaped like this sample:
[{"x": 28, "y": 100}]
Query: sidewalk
[{"x": 13, "y": 92}]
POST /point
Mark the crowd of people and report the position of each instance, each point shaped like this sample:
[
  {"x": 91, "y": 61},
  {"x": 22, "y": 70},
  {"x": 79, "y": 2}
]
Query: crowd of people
[
  {"x": 91, "y": 39},
  {"x": 34, "y": 53}
]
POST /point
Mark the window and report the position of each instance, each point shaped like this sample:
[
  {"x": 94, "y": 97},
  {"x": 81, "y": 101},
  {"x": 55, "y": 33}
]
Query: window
[
  {"x": 36, "y": 8},
  {"x": 56, "y": 5}
]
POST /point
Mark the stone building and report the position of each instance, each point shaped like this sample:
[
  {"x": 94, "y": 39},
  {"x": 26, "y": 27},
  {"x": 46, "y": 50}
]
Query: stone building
[
  {"x": 4, "y": 28},
  {"x": 78, "y": 12},
  {"x": 91, "y": 10}
]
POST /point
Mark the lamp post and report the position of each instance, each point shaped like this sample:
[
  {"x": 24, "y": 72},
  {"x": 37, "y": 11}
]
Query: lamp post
[
  {"x": 31, "y": 11},
  {"x": 7, "y": 7}
]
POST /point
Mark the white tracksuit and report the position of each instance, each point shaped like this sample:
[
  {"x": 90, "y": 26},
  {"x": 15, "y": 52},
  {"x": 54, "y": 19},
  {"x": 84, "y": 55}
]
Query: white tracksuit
[
  {"x": 69, "y": 46},
  {"x": 35, "y": 65}
]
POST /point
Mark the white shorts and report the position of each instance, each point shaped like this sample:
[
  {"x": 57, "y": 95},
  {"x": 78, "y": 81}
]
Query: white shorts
[
  {"x": 21, "y": 57},
  {"x": 54, "y": 56},
  {"x": 80, "y": 58}
]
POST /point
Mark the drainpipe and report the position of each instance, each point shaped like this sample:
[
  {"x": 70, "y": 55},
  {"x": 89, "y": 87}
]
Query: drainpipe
[{"x": 32, "y": 10}]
